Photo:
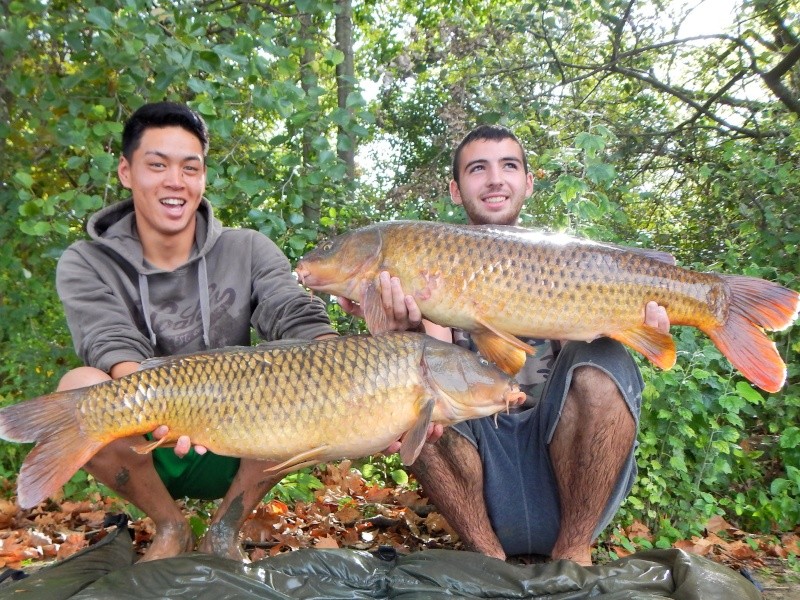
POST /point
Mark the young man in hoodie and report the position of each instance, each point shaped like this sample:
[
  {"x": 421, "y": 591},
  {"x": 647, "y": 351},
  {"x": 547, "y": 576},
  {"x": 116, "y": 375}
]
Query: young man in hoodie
[
  {"x": 545, "y": 480},
  {"x": 161, "y": 276}
]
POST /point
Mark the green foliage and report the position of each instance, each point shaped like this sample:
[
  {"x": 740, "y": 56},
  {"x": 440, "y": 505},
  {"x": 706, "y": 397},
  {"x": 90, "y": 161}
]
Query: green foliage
[
  {"x": 604, "y": 98},
  {"x": 298, "y": 486},
  {"x": 383, "y": 470}
]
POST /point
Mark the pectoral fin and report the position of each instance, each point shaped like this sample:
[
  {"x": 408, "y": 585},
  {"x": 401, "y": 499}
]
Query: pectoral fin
[
  {"x": 374, "y": 314},
  {"x": 304, "y": 459},
  {"x": 416, "y": 436},
  {"x": 658, "y": 347},
  {"x": 503, "y": 349}
]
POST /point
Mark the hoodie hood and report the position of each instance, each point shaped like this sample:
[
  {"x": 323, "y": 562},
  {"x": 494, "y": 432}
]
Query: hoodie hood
[{"x": 114, "y": 228}]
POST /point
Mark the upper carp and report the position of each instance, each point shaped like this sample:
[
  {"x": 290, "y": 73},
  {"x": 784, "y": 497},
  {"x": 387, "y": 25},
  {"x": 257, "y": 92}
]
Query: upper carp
[
  {"x": 291, "y": 403},
  {"x": 498, "y": 282}
]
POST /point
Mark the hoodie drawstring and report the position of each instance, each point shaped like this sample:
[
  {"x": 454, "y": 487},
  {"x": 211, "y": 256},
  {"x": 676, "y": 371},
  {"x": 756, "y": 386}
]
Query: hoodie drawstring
[
  {"x": 144, "y": 293},
  {"x": 205, "y": 302}
]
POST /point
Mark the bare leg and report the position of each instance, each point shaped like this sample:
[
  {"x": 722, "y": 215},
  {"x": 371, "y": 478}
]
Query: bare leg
[
  {"x": 451, "y": 474},
  {"x": 593, "y": 438},
  {"x": 132, "y": 476},
  {"x": 248, "y": 488}
]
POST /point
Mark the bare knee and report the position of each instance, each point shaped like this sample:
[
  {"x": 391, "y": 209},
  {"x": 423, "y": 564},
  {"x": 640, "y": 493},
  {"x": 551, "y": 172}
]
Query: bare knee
[
  {"x": 594, "y": 390},
  {"x": 81, "y": 377}
]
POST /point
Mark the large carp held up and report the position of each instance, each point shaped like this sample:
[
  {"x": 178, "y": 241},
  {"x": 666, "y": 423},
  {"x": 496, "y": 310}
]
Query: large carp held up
[
  {"x": 500, "y": 283},
  {"x": 291, "y": 403}
]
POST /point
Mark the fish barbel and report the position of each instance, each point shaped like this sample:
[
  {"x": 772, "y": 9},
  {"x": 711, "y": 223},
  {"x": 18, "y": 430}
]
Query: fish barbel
[
  {"x": 502, "y": 282},
  {"x": 291, "y": 403}
]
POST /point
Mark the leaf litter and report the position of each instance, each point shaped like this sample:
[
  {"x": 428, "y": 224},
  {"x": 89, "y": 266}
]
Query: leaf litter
[{"x": 347, "y": 512}]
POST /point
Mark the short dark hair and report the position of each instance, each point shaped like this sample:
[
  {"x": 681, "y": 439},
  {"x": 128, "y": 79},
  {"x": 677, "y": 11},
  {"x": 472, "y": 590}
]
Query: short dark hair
[
  {"x": 162, "y": 114},
  {"x": 495, "y": 133}
]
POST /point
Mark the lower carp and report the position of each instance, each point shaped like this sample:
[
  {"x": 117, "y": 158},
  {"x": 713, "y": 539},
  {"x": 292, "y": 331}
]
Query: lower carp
[
  {"x": 291, "y": 403},
  {"x": 500, "y": 283}
]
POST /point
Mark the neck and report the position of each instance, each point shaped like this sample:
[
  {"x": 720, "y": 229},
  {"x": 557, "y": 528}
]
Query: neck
[{"x": 167, "y": 252}]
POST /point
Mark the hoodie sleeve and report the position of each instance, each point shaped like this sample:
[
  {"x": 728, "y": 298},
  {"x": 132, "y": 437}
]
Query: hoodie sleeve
[
  {"x": 282, "y": 308},
  {"x": 100, "y": 312}
]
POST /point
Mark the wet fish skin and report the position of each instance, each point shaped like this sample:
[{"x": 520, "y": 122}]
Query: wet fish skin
[
  {"x": 290, "y": 403},
  {"x": 501, "y": 283}
]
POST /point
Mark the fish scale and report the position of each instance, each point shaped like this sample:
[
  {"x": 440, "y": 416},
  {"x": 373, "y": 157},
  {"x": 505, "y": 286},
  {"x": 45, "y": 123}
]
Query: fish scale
[
  {"x": 291, "y": 404},
  {"x": 503, "y": 283}
]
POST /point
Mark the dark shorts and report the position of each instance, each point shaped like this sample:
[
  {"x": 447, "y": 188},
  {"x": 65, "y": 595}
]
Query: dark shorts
[
  {"x": 519, "y": 485},
  {"x": 202, "y": 476}
]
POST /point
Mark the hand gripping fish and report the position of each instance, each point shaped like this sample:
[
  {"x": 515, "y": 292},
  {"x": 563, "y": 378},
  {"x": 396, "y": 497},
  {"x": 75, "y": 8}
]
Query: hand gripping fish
[
  {"x": 294, "y": 404},
  {"x": 501, "y": 282}
]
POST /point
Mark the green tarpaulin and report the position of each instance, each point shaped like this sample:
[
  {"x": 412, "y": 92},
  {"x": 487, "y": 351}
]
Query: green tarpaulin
[{"x": 106, "y": 571}]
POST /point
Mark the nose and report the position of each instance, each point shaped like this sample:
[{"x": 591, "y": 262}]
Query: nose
[
  {"x": 493, "y": 175},
  {"x": 173, "y": 177}
]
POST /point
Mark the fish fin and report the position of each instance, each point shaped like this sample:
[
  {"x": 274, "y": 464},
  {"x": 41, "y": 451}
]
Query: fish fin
[
  {"x": 147, "y": 446},
  {"x": 372, "y": 305},
  {"x": 61, "y": 447},
  {"x": 658, "y": 347},
  {"x": 174, "y": 359},
  {"x": 415, "y": 438},
  {"x": 658, "y": 255},
  {"x": 304, "y": 459},
  {"x": 506, "y": 351},
  {"x": 754, "y": 305}
]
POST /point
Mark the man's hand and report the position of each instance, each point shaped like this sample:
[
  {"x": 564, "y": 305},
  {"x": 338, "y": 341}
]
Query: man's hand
[
  {"x": 402, "y": 312},
  {"x": 182, "y": 446},
  {"x": 435, "y": 431},
  {"x": 656, "y": 316}
]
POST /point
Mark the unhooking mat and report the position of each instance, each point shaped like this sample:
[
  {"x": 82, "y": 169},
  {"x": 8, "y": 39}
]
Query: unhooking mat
[{"x": 106, "y": 571}]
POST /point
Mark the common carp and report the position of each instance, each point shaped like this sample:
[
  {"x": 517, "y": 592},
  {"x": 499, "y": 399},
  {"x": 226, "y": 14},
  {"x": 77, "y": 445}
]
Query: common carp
[
  {"x": 503, "y": 282},
  {"x": 290, "y": 403}
]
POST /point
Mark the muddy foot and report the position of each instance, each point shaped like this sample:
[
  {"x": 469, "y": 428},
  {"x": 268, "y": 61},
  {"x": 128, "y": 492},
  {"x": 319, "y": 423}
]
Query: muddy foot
[
  {"x": 221, "y": 541},
  {"x": 170, "y": 540}
]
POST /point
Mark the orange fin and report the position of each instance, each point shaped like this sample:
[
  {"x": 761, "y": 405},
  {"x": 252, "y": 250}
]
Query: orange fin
[
  {"x": 61, "y": 447},
  {"x": 658, "y": 347},
  {"x": 416, "y": 436},
  {"x": 503, "y": 349},
  {"x": 755, "y": 304},
  {"x": 304, "y": 459}
]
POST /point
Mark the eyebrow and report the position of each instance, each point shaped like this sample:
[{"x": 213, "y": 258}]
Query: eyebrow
[
  {"x": 167, "y": 156},
  {"x": 483, "y": 161}
]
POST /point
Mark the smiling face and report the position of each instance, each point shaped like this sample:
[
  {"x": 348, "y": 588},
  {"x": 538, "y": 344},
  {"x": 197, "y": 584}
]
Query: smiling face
[
  {"x": 166, "y": 174},
  {"x": 493, "y": 184}
]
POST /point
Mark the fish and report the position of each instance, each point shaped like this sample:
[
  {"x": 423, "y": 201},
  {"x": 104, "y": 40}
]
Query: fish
[
  {"x": 503, "y": 283},
  {"x": 292, "y": 403}
]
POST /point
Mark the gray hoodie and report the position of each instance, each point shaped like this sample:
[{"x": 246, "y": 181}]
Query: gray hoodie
[{"x": 120, "y": 308}]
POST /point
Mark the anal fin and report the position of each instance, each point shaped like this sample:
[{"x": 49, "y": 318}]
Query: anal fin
[
  {"x": 304, "y": 459},
  {"x": 658, "y": 347}
]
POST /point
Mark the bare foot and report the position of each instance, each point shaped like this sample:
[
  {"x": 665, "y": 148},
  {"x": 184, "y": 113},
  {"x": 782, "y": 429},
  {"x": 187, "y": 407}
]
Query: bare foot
[
  {"x": 170, "y": 540},
  {"x": 222, "y": 541},
  {"x": 582, "y": 556}
]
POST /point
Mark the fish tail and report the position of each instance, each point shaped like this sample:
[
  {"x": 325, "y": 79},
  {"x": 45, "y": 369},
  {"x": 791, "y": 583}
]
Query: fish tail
[
  {"x": 61, "y": 447},
  {"x": 756, "y": 305}
]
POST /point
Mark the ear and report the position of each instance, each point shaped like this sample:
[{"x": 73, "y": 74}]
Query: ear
[
  {"x": 455, "y": 193},
  {"x": 124, "y": 172},
  {"x": 528, "y": 184}
]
